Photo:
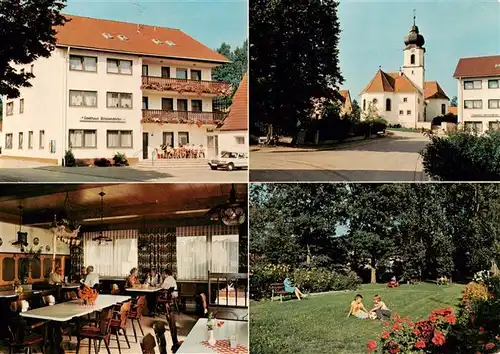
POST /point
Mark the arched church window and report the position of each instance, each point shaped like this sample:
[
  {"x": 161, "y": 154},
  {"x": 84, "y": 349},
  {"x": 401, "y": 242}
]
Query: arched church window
[
  {"x": 388, "y": 104},
  {"x": 412, "y": 59},
  {"x": 375, "y": 101},
  {"x": 443, "y": 109},
  {"x": 364, "y": 105}
]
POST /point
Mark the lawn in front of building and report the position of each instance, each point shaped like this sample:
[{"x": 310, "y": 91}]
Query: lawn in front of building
[{"x": 319, "y": 324}]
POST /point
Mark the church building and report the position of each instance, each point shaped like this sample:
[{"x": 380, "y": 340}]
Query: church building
[{"x": 405, "y": 97}]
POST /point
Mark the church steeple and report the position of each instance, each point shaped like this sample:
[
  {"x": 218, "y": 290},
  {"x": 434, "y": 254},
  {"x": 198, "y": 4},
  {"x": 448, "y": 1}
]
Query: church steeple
[{"x": 414, "y": 39}]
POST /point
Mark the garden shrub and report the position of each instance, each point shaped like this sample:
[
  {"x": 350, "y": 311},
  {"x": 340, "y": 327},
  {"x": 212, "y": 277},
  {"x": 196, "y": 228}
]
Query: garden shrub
[
  {"x": 102, "y": 162},
  {"x": 120, "y": 159},
  {"x": 474, "y": 292},
  {"x": 463, "y": 156},
  {"x": 69, "y": 159},
  {"x": 309, "y": 279}
]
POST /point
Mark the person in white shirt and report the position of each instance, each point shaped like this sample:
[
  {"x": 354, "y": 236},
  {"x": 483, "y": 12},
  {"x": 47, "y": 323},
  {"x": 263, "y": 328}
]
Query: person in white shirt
[
  {"x": 92, "y": 278},
  {"x": 153, "y": 278},
  {"x": 169, "y": 283}
]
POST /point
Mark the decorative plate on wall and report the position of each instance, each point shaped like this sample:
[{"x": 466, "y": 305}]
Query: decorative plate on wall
[
  {"x": 36, "y": 241},
  {"x": 47, "y": 248}
]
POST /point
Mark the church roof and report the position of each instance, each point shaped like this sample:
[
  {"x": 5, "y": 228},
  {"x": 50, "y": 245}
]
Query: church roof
[
  {"x": 238, "y": 115},
  {"x": 390, "y": 82},
  {"x": 433, "y": 90}
]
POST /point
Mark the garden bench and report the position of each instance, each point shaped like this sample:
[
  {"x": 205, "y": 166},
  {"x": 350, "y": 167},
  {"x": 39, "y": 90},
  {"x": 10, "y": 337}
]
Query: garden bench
[{"x": 279, "y": 289}]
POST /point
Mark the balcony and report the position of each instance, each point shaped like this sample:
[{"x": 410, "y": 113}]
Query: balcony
[
  {"x": 199, "y": 87},
  {"x": 182, "y": 117}
]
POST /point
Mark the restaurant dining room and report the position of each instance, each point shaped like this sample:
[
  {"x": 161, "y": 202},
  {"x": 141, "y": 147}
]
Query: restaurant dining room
[{"x": 124, "y": 268}]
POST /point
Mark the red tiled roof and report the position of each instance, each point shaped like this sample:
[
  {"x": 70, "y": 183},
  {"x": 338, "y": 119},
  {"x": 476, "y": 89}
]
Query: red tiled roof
[
  {"x": 433, "y": 90},
  {"x": 390, "y": 82},
  {"x": 238, "y": 115},
  {"x": 478, "y": 67},
  {"x": 346, "y": 95},
  {"x": 88, "y": 32},
  {"x": 453, "y": 110}
]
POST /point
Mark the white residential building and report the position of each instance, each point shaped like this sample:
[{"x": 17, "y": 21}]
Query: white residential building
[
  {"x": 405, "y": 97},
  {"x": 479, "y": 93},
  {"x": 113, "y": 87}
]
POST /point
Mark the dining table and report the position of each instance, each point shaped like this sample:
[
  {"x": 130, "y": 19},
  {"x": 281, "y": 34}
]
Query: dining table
[
  {"x": 197, "y": 339},
  {"x": 150, "y": 292},
  {"x": 65, "y": 311}
]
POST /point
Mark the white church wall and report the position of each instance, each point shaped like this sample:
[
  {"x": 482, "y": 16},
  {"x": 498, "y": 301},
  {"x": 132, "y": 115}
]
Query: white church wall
[{"x": 434, "y": 108}]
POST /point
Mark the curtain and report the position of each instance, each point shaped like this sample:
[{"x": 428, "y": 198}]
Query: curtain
[
  {"x": 113, "y": 99},
  {"x": 90, "y": 138},
  {"x": 8, "y": 141},
  {"x": 113, "y": 138},
  {"x": 125, "y": 67},
  {"x": 75, "y": 138},
  {"x": 192, "y": 257},
  {"x": 75, "y": 63},
  {"x": 76, "y": 98},
  {"x": 113, "y": 66},
  {"x": 115, "y": 258},
  {"x": 225, "y": 251},
  {"x": 126, "y": 100},
  {"x": 90, "y": 99},
  {"x": 90, "y": 64},
  {"x": 126, "y": 138}
]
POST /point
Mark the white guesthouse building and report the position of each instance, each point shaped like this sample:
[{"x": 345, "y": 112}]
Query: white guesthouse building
[
  {"x": 116, "y": 87},
  {"x": 479, "y": 93},
  {"x": 405, "y": 97}
]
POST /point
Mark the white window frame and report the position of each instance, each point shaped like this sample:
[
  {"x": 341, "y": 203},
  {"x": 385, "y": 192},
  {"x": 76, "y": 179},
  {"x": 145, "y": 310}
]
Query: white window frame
[
  {"x": 405, "y": 99},
  {"x": 177, "y": 70},
  {"x": 83, "y": 62},
  {"x": 240, "y": 140},
  {"x": 83, "y": 93},
  {"x": 9, "y": 109},
  {"x": 495, "y": 123},
  {"x": 401, "y": 112},
  {"x": 7, "y": 140},
  {"x": 469, "y": 123},
  {"x": 30, "y": 139},
  {"x": 476, "y": 84},
  {"x": 41, "y": 138},
  {"x": 20, "y": 140},
  {"x": 119, "y": 66},
  {"x": 497, "y": 81},
  {"x": 120, "y": 144},
  {"x": 83, "y": 132},
  {"x": 120, "y": 104},
  {"x": 21, "y": 106},
  {"x": 408, "y": 112},
  {"x": 497, "y": 104}
]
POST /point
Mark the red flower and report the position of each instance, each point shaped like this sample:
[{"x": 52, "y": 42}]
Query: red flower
[
  {"x": 450, "y": 319},
  {"x": 386, "y": 335},
  {"x": 433, "y": 318},
  {"x": 438, "y": 338},
  {"x": 420, "y": 344},
  {"x": 489, "y": 346},
  {"x": 416, "y": 331},
  {"x": 394, "y": 348},
  {"x": 396, "y": 327},
  {"x": 387, "y": 324},
  {"x": 481, "y": 330},
  {"x": 372, "y": 346}
]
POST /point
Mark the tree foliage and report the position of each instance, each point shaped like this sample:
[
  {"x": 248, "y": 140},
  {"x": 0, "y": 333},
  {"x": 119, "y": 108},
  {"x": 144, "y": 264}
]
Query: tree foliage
[
  {"x": 454, "y": 101},
  {"x": 294, "y": 57},
  {"x": 413, "y": 231},
  {"x": 27, "y": 33},
  {"x": 232, "y": 72}
]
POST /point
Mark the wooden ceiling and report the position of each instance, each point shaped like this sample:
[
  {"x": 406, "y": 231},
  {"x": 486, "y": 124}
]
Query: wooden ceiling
[{"x": 123, "y": 203}]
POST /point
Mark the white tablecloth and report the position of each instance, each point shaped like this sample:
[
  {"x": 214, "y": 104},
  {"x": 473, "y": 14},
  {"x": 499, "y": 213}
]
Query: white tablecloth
[
  {"x": 145, "y": 290},
  {"x": 199, "y": 333},
  {"x": 65, "y": 311}
]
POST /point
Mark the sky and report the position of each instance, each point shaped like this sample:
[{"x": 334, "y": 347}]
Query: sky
[
  {"x": 209, "y": 21},
  {"x": 373, "y": 33}
]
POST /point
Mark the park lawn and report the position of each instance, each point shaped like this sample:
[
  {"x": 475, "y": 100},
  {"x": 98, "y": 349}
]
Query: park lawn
[{"x": 319, "y": 324}]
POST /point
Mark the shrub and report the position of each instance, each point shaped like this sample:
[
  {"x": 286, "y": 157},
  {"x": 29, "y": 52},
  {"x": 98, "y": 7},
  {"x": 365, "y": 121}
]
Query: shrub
[
  {"x": 463, "y": 156},
  {"x": 120, "y": 159},
  {"x": 309, "y": 279},
  {"x": 102, "y": 162},
  {"x": 425, "y": 336},
  {"x": 69, "y": 159},
  {"x": 474, "y": 292},
  {"x": 481, "y": 276}
]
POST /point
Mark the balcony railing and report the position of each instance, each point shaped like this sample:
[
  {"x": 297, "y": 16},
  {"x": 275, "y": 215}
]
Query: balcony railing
[
  {"x": 161, "y": 84},
  {"x": 182, "y": 117}
]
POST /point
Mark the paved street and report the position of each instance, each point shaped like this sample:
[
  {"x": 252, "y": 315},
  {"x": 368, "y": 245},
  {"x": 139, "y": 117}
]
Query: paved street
[
  {"x": 394, "y": 158},
  {"x": 11, "y": 171}
]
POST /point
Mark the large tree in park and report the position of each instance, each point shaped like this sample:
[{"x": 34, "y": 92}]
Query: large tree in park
[
  {"x": 294, "y": 57},
  {"x": 26, "y": 33},
  {"x": 234, "y": 70}
]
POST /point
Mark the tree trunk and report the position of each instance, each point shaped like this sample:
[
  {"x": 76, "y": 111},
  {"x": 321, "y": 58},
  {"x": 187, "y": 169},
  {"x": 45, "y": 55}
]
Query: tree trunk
[
  {"x": 373, "y": 269},
  {"x": 308, "y": 257}
]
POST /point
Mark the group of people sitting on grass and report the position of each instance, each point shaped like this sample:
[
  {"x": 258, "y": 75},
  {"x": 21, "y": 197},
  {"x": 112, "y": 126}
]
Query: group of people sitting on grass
[{"x": 380, "y": 311}]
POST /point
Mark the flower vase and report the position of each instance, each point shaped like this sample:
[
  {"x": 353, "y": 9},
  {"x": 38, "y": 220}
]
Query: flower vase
[{"x": 211, "y": 338}]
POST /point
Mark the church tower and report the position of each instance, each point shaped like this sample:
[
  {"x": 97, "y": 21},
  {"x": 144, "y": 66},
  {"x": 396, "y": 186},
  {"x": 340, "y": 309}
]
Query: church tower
[{"x": 414, "y": 53}]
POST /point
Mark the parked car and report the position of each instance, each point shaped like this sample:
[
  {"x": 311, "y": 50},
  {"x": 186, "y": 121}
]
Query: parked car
[{"x": 230, "y": 160}]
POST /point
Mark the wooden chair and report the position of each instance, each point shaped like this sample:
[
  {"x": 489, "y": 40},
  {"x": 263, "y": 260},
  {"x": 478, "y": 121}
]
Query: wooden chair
[
  {"x": 70, "y": 295},
  {"x": 135, "y": 314},
  {"x": 172, "y": 324},
  {"x": 48, "y": 300},
  {"x": 148, "y": 344},
  {"x": 120, "y": 323},
  {"x": 100, "y": 333},
  {"x": 21, "y": 340},
  {"x": 160, "y": 330}
]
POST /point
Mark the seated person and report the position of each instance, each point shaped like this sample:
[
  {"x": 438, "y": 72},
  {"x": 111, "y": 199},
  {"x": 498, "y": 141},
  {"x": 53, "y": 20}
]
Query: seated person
[
  {"x": 132, "y": 280},
  {"x": 56, "y": 276},
  {"x": 169, "y": 283},
  {"x": 289, "y": 288},
  {"x": 91, "y": 279},
  {"x": 153, "y": 278},
  {"x": 357, "y": 308},
  {"x": 80, "y": 277},
  {"x": 380, "y": 308}
]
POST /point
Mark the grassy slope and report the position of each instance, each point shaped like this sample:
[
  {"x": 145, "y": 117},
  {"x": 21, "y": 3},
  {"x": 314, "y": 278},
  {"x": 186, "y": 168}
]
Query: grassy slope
[{"x": 319, "y": 323}]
